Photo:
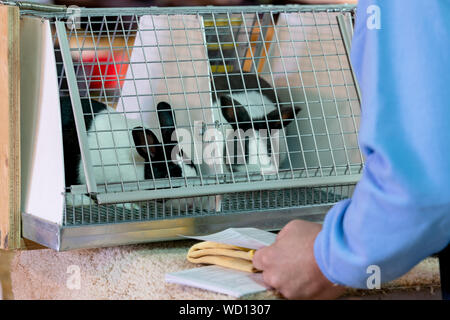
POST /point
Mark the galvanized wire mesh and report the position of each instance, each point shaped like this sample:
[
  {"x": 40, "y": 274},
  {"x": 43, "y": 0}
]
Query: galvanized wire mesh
[
  {"x": 244, "y": 202},
  {"x": 265, "y": 59}
]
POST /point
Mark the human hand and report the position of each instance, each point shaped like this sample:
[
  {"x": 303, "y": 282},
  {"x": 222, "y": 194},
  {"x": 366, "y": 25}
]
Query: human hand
[{"x": 289, "y": 265}]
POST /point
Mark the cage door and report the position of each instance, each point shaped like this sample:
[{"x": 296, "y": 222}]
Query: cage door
[
  {"x": 77, "y": 107},
  {"x": 299, "y": 54}
]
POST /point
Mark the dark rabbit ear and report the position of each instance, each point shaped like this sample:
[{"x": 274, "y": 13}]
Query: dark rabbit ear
[
  {"x": 146, "y": 143},
  {"x": 287, "y": 115},
  {"x": 166, "y": 121},
  {"x": 226, "y": 101},
  {"x": 236, "y": 114}
]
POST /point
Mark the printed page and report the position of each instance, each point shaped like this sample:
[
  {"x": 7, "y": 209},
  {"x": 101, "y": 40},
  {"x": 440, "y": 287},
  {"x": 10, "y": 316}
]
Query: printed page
[
  {"x": 218, "y": 279},
  {"x": 250, "y": 238}
]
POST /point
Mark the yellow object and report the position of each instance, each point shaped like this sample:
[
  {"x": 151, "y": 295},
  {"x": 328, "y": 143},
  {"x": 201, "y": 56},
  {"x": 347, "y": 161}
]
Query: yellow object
[
  {"x": 222, "y": 22},
  {"x": 224, "y": 255},
  {"x": 221, "y": 68}
]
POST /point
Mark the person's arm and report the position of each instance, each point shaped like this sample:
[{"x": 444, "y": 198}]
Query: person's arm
[{"x": 400, "y": 210}]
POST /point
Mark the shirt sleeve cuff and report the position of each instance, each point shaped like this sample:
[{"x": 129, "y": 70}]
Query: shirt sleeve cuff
[{"x": 321, "y": 244}]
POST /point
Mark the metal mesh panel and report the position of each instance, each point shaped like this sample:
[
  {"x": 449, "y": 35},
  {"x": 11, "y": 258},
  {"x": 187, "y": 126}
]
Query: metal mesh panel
[
  {"x": 204, "y": 111},
  {"x": 232, "y": 203}
]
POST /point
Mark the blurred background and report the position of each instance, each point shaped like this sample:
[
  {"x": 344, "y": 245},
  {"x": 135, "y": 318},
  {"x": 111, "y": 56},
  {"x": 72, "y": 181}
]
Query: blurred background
[{"x": 107, "y": 67}]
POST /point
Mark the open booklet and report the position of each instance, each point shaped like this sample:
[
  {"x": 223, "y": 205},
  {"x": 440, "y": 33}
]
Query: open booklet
[{"x": 223, "y": 280}]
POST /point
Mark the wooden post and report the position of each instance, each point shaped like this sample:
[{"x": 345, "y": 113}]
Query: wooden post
[{"x": 10, "y": 237}]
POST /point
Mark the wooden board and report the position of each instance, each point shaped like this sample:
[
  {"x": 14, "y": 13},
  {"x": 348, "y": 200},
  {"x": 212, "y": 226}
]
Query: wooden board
[
  {"x": 5, "y": 275},
  {"x": 10, "y": 160},
  {"x": 10, "y": 128}
]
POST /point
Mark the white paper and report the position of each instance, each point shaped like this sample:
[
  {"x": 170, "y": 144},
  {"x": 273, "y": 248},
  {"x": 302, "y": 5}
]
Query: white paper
[
  {"x": 224, "y": 280},
  {"x": 250, "y": 238},
  {"x": 218, "y": 279}
]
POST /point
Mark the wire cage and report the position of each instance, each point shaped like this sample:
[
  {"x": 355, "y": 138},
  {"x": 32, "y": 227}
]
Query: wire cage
[{"x": 188, "y": 120}]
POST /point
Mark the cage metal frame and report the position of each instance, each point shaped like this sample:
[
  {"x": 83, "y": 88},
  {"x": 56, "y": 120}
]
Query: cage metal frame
[
  {"x": 170, "y": 227},
  {"x": 193, "y": 190}
]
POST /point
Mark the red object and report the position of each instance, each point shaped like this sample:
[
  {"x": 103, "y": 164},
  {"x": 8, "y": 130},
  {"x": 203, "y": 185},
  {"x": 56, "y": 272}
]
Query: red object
[{"x": 105, "y": 70}]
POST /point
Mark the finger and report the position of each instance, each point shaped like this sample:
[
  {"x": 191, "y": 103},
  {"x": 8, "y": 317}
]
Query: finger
[
  {"x": 259, "y": 259},
  {"x": 272, "y": 280}
]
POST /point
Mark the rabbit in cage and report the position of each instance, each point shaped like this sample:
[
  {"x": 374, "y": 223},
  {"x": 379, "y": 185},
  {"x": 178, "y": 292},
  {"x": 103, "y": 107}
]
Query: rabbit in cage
[
  {"x": 248, "y": 102},
  {"x": 122, "y": 149}
]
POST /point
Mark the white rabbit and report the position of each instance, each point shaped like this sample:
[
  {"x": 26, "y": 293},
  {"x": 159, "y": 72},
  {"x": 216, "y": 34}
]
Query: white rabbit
[
  {"x": 248, "y": 108},
  {"x": 122, "y": 149}
]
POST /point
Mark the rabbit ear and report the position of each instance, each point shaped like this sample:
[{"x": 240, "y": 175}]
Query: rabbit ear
[
  {"x": 235, "y": 114},
  {"x": 287, "y": 115},
  {"x": 146, "y": 143},
  {"x": 166, "y": 121}
]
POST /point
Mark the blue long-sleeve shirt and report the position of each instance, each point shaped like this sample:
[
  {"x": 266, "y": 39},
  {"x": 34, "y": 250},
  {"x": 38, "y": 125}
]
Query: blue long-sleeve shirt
[{"x": 400, "y": 210}]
